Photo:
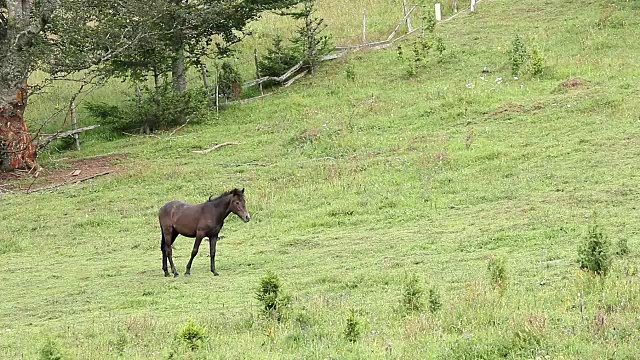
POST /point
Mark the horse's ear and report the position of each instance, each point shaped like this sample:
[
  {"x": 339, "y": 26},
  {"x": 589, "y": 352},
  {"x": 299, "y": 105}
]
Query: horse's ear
[
  {"x": 210, "y": 197},
  {"x": 242, "y": 191}
]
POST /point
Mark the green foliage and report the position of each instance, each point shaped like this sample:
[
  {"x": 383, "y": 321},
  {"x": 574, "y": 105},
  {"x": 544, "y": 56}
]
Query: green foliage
[
  {"x": 279, "y": 58},
  {"x": 435, "y": 303},
  {"x": 518, "y": 55},
  {"x": 350, "y": 72},
  {"x": 594, "y": 253},
  {"x": 440, "y": 46},
  {"x": 352, "y": 328},
  {"x": 420, "y": 50},
  {"x": 269, "y": 294},
  {"x": 158, "y": 109},
  {"x": 193, "y": 335},
  {"x": 497, "y": 270},
  {"x": 229, "y": 80},
  {"x": 309, "y": 38},
  {"x": 622, "y": 247},
  {"x": 412, "y": 294},
  {"x": 428, "y": 17},
  {"x": 51, "y": 351},
  {"x": 537, "y": 60}
]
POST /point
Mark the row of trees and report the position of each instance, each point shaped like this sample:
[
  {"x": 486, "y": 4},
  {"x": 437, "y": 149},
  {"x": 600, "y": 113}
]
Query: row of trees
[{"x": 132, "y": 39}]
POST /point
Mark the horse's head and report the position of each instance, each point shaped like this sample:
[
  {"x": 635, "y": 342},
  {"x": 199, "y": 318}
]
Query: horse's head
[{"x": 237, "y": 205}]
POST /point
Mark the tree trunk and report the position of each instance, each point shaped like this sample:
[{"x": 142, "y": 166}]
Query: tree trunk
[
  {"x": 178, "y": 71},
  {"x": 16, "y": 149},
  {"x": 156, "y": 78}
]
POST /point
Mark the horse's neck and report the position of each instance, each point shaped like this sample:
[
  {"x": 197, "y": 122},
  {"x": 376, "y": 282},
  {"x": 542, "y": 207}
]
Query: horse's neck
[{"x": 223, "y": 205}]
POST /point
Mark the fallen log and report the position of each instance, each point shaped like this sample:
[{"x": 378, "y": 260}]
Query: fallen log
[
  {"x": 215, "y": 147},
  {"x": 53, "y": 137}
]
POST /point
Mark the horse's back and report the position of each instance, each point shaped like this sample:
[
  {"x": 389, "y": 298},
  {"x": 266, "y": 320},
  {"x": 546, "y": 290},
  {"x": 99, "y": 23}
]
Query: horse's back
[{"x": 167, "y": 210}]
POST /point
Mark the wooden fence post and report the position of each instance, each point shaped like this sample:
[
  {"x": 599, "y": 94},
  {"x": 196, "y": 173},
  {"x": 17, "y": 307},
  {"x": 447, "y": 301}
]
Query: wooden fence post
[
  {"x": 364, "y": 27},
  {"x": 255, "y": 53},
  {"x": 217, "y": 90},
  {"x": 404, "y": 8},
  {"x": 74, "y": 125},
  {"x": 438, "y": 12},
  {"x": 205, "y": 83},
  {"x": 473, "y": 5}
]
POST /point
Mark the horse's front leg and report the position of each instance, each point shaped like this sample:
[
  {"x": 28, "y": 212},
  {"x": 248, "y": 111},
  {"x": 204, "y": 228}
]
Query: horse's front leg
[
  {"x": 194, "y": 252},
  {"x": 213, "y": 240}
]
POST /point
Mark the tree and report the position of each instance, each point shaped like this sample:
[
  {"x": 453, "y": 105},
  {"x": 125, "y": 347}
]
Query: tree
[
  {"x": 184, "y": 33},
  {"x": 60, "y": 37},
  {"x": 20, "y": 24},
  {"x": 128, "y": 39},
  {"x": 309, "y": 38}
]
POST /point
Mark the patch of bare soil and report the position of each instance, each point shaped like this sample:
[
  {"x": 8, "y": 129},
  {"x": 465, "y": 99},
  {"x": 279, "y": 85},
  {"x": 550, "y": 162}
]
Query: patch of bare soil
[
  {"x": 69, "y": 172},
  {"x": 507, "y": 109},
  {"x": 573, "y": 83}
]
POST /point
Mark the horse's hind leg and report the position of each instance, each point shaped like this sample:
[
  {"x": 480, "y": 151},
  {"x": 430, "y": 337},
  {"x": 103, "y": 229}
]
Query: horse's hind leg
[
  {"x": 164, "y": 253},
  {"x": 171, "y": 235},
  {"x": 194, "y": 252}
]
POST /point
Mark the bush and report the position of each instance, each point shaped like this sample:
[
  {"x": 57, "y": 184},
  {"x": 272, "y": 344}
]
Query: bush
[
  {"x": 594, "y": 254},
  {"x": 279, "y": 58},
  {"x": 51, "y": 351},
  {"x": 270, "y": 296},
  {"x": 412, "y": 294},
  {"x": 623, "y": 247},
  {"x": 537, "y": 61},
  {"x": 352, "y": 330},
  {"x": 193, "y": 335},
  {"x": 229, "y": 81},
  {"x": 434, "y": 300},
  {"x": 350, "y": 72},
  {"x": 518, "y": 55},
  {"x": 158, "y": 109},
  {"x": 497, "y": 272}
]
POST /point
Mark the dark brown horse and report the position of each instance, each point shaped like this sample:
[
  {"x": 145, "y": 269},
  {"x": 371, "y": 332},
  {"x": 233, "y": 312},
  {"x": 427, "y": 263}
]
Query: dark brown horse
[{"x": 198, "y": 221}]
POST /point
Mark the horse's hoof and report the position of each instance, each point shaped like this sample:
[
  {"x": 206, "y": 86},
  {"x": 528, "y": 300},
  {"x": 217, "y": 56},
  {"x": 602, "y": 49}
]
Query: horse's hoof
[
  {"x": 187, "y": 274},
  {"x": 166, "y": 274},
  {"x": 215, "y": 273},
  {"x": 176, "y": 275}
]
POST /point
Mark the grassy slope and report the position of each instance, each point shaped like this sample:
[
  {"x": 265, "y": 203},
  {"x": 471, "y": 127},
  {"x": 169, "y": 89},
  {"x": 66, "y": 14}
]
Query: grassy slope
[{"x": 401, "y": 195}]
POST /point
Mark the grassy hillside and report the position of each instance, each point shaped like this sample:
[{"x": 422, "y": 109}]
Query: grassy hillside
[{"x": 359, "y": 184}]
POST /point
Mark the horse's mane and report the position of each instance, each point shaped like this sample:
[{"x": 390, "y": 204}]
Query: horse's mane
[{"x": 234, "y": 192}]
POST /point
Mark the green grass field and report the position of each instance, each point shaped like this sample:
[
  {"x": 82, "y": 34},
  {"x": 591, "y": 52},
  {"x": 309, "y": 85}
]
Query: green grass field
[{"x": 360, "y": 184}]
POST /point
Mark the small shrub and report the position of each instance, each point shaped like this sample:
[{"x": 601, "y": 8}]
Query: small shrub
[
  {"x": 229, "y": 80},
  {"x": 51, "y": 351},
  {"x": 439, "y": 45},
  {"x": 469, "y": 137},
  {"x": 622, "y": 247},
  {"x": 411, "y": 70},
  {"x": 270, "y": 296},
  {"x": 594, "y": 254},
  {"x": 497, "y": 272},
  {"x": 537, "y": 61},
  {"x": 352, "y": 330},
  {"x": 518, "y": 55},
  {"x": 428, "y": 17},
  {"x": 193, "y": 335},
  {"x": 157, "y": 109},
  {"x": 412, "y": 294},
  {"x": 350, "y": 72},
  {"x": 279, "y": 58},
  {"x": 399, "y": 52},
  {"x": 434, "y": 300}
]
